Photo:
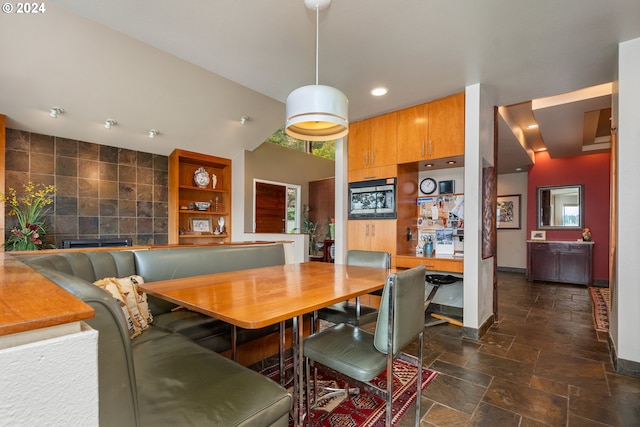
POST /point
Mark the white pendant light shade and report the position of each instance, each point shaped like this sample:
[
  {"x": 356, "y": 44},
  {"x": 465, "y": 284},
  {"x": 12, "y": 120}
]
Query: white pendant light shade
[{"x": 317, "y": 113}]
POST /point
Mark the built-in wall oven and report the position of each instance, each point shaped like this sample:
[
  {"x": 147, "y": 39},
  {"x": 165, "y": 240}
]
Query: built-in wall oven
[{"x": 372, "y": 199}]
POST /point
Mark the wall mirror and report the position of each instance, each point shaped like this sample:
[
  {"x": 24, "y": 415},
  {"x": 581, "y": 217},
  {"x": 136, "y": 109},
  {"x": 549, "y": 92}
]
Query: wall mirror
[{"x": 561, "y": 207}]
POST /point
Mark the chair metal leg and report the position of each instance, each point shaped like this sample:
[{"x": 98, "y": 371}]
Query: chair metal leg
[
  {"x": 331, "y": 391},
  {"x": 419, "y": 380},
  {"x": 388, "y": 397}
]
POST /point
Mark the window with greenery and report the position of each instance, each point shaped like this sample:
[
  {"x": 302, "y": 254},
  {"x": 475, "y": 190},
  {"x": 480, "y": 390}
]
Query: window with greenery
[{"x": 325, "y": 149}]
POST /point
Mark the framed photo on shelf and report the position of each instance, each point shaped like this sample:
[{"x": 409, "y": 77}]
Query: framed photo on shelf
[
  {"x": 538, "y": 235},
  {"x": 508, "y": 212},
  {"x": 200, "y": 225}
]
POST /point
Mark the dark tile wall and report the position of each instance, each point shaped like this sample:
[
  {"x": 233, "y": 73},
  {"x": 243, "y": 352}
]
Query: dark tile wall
[{"x": 102, "y": 191}]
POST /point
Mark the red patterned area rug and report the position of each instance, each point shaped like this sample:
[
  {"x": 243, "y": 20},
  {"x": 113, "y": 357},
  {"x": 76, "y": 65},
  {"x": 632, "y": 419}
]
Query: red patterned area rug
[
  {"x": 600, "y": 297},
  {"x": 363, "y": 409}
]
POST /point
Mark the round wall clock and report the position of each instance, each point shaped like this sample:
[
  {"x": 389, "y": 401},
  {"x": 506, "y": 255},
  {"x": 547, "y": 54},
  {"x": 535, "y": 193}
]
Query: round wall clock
[{"x": 428, "y": 185}]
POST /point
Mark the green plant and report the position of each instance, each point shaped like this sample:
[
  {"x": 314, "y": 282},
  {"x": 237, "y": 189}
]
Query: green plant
[
  {"x": 30, "y": 209},
  {"x": 311, "y": 228}
]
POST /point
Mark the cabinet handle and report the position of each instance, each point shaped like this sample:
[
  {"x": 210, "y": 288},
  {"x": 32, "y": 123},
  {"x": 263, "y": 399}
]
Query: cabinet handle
[
  {"x": 373, "y": 158},
  {"x": 430, "y": 148},
  {"x": 366, "y": 158},
  {"x": 422, "y": 148},
  {"x": 373, "y": 230},
  {"x": 366, "y": 233}
]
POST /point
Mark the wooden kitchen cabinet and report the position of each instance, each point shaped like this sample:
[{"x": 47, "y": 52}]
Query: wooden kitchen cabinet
[
  {"x": 373, "y": 235},
  {"x": 433, "y": 130},
  {"x": 564, "y": 262},
  {"x": 413, "y": 133},
  {"x": 372, "y": 148}
]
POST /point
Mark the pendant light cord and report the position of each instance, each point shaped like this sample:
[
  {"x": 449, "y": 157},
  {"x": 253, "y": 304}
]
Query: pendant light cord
[{"x": 317, "y": 39}]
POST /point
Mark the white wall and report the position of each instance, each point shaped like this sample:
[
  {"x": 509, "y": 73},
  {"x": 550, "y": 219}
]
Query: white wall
[
  {"x": 512, "y": 246},
  {"x": 478, "y": 273},
  {"x": 626, "y": 292},
  {"x": 49, "y": 377}
]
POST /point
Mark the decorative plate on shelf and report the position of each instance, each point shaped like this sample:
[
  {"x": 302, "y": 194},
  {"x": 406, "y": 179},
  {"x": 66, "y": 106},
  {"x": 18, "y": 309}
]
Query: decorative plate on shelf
[{"x": 201, "y": 177}]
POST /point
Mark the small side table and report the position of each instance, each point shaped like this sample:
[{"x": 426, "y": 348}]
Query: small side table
[{"x": 326, "y": 251}]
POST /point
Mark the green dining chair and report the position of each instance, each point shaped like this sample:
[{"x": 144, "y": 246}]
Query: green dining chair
[
  {"x": 347, "y": 351},
  {"x": 348, "y": 312}
]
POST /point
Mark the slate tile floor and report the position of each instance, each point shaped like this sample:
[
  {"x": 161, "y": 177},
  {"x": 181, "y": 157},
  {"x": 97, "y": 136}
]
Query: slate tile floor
[{"x": 541, "y": 364}]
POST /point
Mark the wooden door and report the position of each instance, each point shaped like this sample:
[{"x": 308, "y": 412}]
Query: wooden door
[
  {"x": 446, "y": 127},
  {"x": 359, "y": 145},
  {"x": 271, "y": 208},
  {"x": 322, "y": 204},
  {"x": 384, "y": 131},
  {"x": 413, "y": 125}
]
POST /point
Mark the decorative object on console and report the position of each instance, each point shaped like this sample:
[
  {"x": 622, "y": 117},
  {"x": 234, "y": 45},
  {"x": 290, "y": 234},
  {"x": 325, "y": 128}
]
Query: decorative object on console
[
  {"x": 508, "y": 216},
  {"x": 201, "y": 177},
  {"x": 538, "y": 235},
  {"x": 586, "y": 234}
]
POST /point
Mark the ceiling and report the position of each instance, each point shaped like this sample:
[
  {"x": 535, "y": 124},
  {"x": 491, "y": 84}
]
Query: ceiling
[{"x": 191, "y": 69}]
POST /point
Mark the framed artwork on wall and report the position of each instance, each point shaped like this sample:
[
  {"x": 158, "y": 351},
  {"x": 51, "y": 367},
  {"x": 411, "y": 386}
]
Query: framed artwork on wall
[{"x": 508, "y": 212}]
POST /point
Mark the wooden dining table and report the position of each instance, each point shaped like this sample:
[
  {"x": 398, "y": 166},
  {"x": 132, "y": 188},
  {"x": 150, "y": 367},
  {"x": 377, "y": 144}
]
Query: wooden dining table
[{"x": 266, "y": 296}]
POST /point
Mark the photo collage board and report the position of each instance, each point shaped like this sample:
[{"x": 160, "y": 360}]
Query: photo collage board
[{"x": 440, "y": 219}]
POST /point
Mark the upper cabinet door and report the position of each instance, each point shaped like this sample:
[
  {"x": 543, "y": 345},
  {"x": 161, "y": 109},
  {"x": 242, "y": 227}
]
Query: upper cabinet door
[
  {"x": 383, "y": 140},
  {"x": 446, "y": 127},
  {"x": 413, "y": 128},
  {"x": 359, "y": 145}
]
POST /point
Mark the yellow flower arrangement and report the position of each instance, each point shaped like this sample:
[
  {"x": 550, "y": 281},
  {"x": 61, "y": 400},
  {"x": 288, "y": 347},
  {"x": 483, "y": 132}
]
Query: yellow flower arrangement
[{"x": 30, "y": 209}]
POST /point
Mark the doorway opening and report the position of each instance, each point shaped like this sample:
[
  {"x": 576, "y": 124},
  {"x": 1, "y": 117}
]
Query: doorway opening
[{"x": 276, "y": 207}]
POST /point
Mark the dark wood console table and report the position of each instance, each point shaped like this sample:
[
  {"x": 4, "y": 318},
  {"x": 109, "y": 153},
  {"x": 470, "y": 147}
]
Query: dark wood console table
[{"x": 564, "y": 262}]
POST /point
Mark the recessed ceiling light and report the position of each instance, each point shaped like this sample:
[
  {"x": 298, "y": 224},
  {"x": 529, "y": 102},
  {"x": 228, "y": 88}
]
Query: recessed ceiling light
[
  {"x": 451, "y": 162},
  {"x": 429, "y": 165},
  {"x": 518, "y": 169},
  {"x": 379, "y": 91}
]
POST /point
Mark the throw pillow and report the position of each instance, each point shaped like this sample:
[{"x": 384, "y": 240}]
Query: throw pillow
[{"x": 135, "y": 301}]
